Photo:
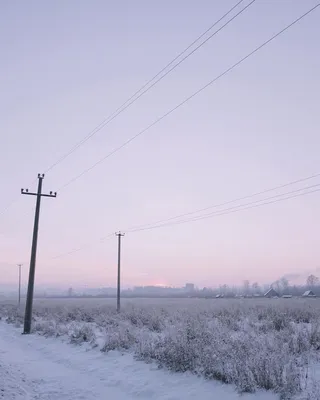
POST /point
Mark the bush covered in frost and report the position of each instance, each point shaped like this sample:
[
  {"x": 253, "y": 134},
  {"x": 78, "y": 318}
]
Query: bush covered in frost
[{"x": 253, "y": 344}]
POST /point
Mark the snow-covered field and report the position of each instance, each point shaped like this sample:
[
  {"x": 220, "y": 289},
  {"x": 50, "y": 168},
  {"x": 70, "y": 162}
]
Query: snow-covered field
[{"x": 162, "y": 349}]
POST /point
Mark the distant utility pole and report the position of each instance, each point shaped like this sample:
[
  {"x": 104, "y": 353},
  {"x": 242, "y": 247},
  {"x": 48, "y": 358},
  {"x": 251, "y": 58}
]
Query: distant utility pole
[
  {"x": 19, "y": 298},
  {"x": 119, "y": 234},
  {"x": 28, "y": 313}
]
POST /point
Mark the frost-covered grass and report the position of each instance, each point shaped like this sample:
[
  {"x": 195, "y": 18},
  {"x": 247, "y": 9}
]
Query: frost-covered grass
[{"x": 254, "y": 344}]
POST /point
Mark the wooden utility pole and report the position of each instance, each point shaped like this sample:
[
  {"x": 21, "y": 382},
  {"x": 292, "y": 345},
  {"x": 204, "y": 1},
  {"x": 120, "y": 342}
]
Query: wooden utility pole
[
  {"x": 19, "y": 297},
  {"x": 119, "y": 234},
  {"x": 29, "y": 302}
]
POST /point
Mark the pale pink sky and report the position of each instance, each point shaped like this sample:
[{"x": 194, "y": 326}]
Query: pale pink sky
[{"x": 67, "y": 65}]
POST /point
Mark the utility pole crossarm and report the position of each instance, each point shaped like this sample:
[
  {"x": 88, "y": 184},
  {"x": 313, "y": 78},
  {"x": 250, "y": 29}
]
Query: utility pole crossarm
[
  {"x": 26, "y": 191},
  {"x": 50, "y": 195}
]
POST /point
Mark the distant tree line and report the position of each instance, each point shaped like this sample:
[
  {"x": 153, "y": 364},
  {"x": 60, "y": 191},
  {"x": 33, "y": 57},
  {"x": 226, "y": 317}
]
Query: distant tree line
[{"x": 281, "y": 286}]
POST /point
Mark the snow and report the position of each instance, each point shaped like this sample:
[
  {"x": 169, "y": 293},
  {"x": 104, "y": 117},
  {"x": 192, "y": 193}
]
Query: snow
[{"x": 36, "y": 368}]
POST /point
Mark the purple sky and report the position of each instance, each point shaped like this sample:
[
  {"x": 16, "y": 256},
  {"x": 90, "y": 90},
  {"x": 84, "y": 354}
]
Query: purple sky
[{"x": 67, "y": 65}]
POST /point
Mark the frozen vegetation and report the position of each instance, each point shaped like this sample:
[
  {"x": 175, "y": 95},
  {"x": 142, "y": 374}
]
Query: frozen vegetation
[{"x": 254, "y": 344}]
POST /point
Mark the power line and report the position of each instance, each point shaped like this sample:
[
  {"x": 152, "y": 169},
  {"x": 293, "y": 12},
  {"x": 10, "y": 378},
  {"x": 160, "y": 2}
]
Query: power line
[
  {"x": 226, "y": 202},
  {"x": 67, "y": 253},
  {"x": 133, "y": 98},
  {"x": 70, "y": 252},
  {"x": 187, "y": 99},
  {"x": 9, "y": 205},
  {"x": 257, "y": 205},
  {"x": 240, "y": 207}
]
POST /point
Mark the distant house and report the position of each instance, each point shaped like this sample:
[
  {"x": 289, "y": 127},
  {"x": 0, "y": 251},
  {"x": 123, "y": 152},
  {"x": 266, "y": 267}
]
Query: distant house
[
  {"x": 271, "y": 293},
  {"x": 308, "y": 293},
  {"x": 189, "y": 287},
  {"x": 287, "y": 296}
]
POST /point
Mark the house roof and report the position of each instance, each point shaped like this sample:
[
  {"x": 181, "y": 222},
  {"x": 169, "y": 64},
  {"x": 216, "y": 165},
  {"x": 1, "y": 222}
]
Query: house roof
[
  {"x": 308, "y": 293},
  {"x": 271, "y": 292}
]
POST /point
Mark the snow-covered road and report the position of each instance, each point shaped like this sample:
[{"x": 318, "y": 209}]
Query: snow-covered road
[{"x": 33, "y": 367}]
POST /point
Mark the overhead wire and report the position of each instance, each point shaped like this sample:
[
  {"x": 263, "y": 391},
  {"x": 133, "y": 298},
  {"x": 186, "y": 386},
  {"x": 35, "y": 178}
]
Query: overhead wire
[
  {"x": 189, "y": 98},
  {"x": 225, "y": 72},
  {"x": 132, "y": 99},
  {"x": 140, "y": 92},
  {"x": 4, "y": 210},
  {"x": 227, "y": 202},
  {"x": 67, "y": 253},
  {"x": 241, "y": 207},
  {"x": 194, "y": 94}
]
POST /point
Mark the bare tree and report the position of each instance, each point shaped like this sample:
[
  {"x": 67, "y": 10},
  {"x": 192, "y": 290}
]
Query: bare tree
[
  {"x": 256, "y": 288},
  {"x": 284, "y": 283},
  {"x": 276, "y": 285},
  {"x": 224, "y": 289},
  {"x": 246, "y": 287},
  {"x": 312, "y": 280}
]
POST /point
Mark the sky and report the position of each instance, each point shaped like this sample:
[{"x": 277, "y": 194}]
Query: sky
[{"x": 67, "y": 65}]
